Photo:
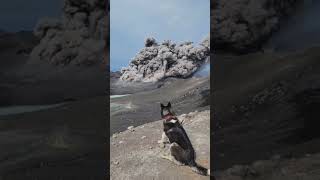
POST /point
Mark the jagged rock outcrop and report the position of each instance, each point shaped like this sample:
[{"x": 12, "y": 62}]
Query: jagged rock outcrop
[
  {"x": 243, "y": 25},
  {"x": 77, "y": 38},
  {"x": 159, "y": 61}
]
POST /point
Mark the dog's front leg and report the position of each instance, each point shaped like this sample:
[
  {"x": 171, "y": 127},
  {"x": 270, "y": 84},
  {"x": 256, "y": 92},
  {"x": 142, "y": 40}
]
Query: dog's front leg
[{"x": 164, "y": 140}]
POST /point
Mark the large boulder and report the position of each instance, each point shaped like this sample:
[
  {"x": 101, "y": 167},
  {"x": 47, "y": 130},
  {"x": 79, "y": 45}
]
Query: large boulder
[
  {"x": 243, "y": 25},
  {"x": 77, "y": 38},
  {"x": 159, "y": 61}
]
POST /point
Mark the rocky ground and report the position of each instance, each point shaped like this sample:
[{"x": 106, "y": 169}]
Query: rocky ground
[{"x": 135, "y": 153}]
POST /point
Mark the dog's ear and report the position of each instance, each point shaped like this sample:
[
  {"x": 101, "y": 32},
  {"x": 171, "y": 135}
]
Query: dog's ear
[
  {"x": 169, "y": 105},
  {"x": 161, "y": 105}
]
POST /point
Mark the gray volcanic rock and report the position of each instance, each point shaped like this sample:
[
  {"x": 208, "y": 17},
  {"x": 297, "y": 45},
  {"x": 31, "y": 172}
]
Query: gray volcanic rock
[
  {"x": 159, "y": 61},
  {"x": 242, "y": 25},
  {"x": 77, "y": 38}
]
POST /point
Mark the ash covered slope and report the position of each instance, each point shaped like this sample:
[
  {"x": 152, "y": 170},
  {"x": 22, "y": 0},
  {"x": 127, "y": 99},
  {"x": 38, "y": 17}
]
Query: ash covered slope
[
  {"x": 156, "y": 62},
  {"x": 243, "y": 25},
  {"x": 267, "y": 105},
  {"x": 77, "y": 38}
]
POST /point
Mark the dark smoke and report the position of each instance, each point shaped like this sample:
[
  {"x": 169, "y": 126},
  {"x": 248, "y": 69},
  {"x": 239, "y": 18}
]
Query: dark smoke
[{"x": 300, "y": 31}]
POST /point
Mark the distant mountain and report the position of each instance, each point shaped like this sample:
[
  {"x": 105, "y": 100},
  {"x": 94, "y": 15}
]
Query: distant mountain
[{"x": 116, "y": 74}]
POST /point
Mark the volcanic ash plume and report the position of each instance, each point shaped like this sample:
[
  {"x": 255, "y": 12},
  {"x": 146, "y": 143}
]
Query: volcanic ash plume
[
  {"x": 77, "y": 38},
  {"x": 243, "y": 25},
  {"x": 159, "y": 61}
]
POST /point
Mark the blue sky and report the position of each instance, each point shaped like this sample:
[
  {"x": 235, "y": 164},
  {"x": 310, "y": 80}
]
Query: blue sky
[{"x": 131, "y": 21}]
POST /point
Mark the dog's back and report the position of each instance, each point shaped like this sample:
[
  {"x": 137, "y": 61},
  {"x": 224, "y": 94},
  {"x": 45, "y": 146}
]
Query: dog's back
[
  {"x": 176, "y": 133},
  {"x": 182, "y": 150}
]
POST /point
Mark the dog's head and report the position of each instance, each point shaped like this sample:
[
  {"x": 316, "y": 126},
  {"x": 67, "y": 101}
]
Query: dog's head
[{"x": 166, "y": 110}]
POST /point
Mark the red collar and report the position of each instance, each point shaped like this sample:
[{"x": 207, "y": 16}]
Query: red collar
[{"x": 169, "y": 117}]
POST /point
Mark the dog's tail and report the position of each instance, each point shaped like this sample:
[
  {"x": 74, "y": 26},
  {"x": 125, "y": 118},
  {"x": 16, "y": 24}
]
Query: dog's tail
[{"x": 200, "y": 170}]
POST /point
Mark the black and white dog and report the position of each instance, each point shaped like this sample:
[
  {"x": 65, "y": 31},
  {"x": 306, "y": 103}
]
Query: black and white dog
[{"x": 181, "y": 150}]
